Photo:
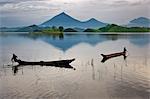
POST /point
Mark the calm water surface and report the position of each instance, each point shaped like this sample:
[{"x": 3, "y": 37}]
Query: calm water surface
[{"x": 115, "y": 79}]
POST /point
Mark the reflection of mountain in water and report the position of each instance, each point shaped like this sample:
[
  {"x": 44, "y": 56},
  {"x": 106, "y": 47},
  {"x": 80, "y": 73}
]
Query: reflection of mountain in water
[
  {"x": 140, "y": 40},
  {"x": 64, "y": 42},
  {"x": 70, "y": 40}
]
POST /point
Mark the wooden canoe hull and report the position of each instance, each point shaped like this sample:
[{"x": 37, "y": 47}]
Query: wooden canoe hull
[
  {"x": 114, "y": 55},
  {"x": 59, "y": 63},
  {"x": 106, "y": 57},
  {"x": 49, "y": 63}
]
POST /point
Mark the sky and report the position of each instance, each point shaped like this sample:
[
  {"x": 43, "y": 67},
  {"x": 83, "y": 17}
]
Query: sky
[{"x": 15, "y": 13}]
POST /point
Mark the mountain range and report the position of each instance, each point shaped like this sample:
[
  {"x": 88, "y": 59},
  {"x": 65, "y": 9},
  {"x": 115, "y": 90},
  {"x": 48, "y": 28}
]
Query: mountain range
[
  {"x": 139, "y": 22},
  {"x": 67, "y": 21}
]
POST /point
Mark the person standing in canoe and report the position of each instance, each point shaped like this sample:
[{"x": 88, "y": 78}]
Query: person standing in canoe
[{"x": 14, "y": 58}]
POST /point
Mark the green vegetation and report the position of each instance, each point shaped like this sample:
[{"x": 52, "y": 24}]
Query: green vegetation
[
  {"x": 49, "y": 31},
  {"x": 91, "y": 30},
  {"x": 70, "y": 30},
  {"x": 116, "y": 28},
  {"x": 35, "y": 29},
  {"x": 61, "y": 28}
]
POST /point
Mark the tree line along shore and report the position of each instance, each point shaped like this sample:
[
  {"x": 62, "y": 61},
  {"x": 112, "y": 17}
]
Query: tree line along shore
[{"x": 34, "y": 29}]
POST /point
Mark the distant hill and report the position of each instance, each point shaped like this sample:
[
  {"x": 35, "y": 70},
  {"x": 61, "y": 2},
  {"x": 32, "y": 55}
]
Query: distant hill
[
  {"x": 68, "y": 22},
  {"x": 30, "y": 28},
  {"x": 6, "y": 29},
  {"x": 139, "y": 22},
  {"x": 91, "y": 30},
  {"x": 93, "y": 23},
  {"x": 117, "y": 28},
  {"x": 79, "y": 29},
  {"x": 70, "y": 30}
]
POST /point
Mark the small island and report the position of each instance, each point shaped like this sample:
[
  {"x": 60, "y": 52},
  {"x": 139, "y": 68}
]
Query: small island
[
  {"x": 91, "y": 30},
  {"x": 70, "y": 30},
  {"x": 48, "y": 31},
  {"x": 117, "y": 28}
]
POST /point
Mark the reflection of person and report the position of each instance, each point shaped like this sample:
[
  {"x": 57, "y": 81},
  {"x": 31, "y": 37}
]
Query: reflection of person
[{"x": 15, "y": 69}]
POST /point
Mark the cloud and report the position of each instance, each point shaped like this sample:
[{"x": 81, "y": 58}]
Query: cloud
[
  {"x": 121, "y": 2},
  {"x": 22, "y": 5},
  {"x": 27, "y": 6},
  {"x": 113, "y": 11},
  {"x": 3, "y": 2}
]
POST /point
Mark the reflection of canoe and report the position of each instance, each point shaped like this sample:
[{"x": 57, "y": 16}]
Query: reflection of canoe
[
  {"x": 106, "y": 57},
  {"x": 59, "y": 63}
]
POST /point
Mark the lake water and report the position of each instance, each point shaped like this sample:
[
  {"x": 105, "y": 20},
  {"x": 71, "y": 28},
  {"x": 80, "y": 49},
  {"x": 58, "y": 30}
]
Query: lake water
[{"x": 115, "y": 79}]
